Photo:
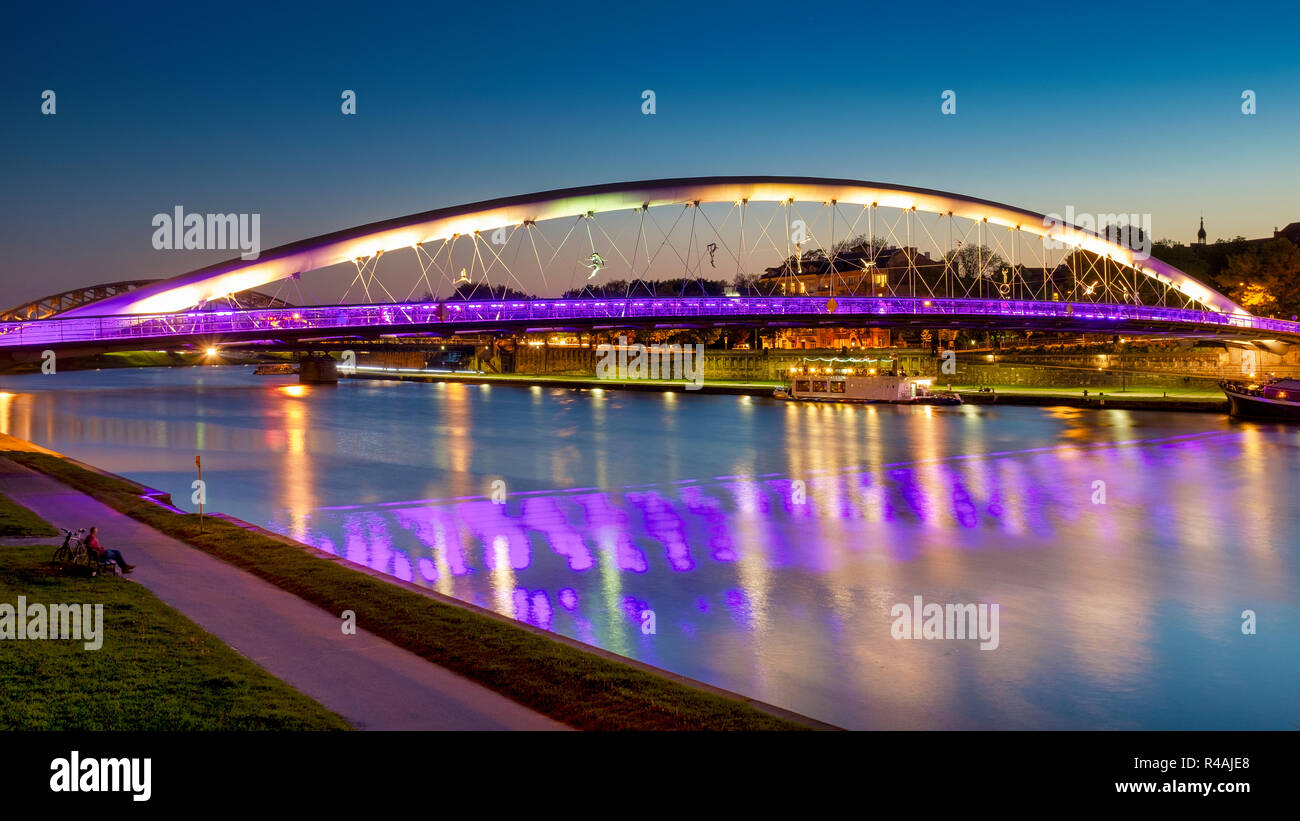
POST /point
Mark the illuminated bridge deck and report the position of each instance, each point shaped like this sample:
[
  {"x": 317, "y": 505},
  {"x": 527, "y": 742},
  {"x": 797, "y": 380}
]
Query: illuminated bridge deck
[{"x": 446, "y": 318}]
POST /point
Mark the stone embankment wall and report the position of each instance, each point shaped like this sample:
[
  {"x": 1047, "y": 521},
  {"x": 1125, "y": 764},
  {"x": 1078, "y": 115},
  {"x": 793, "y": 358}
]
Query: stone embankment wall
[
  {"x": 1220, "y": 363},
  {"x": 391, "y": 359},
  {"x": 771, "y": 365},
  {"x": 555, "y": 360},
  {"x": 1195, "y": 368},
  {"x": 1038, "y": 376}
]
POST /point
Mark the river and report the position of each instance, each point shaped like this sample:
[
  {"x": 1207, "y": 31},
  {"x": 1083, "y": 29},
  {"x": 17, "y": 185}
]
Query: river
[{"x": 763, "y": 546}]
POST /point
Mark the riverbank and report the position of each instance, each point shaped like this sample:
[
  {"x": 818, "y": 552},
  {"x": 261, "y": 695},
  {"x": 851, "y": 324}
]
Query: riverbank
[
  {"x": 737, "y": 387},
  {"x": 1190, "y": 399},
  {"x": 143, "y": 665},
  {"x": 17, "y": 522},
  {"x": 571, "y": 683},
  {"x": 156, "y": 669}
]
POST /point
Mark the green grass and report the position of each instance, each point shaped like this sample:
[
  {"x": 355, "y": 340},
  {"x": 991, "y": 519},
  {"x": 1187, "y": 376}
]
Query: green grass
[
  {"x": 571, "y": 380},
  {"x": 584, "y": 690},
  {"x": 18, "y": 522},
  {"x": 763, "y": 387},
  {"x": 148, "y": 359},
  {"x": 156, "y": 669},
  {"x": 1138, "y": 393}
]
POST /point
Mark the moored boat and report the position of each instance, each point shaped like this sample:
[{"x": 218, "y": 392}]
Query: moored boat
[
  {"x": 275, "y": 368},
  {"x": 813, "y": 384},
  {"x": 1263, "y": 399}
]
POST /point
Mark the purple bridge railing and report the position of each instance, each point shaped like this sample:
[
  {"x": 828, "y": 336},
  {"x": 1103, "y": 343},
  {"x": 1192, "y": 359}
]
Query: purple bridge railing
[{"x": 252, "y": 323}]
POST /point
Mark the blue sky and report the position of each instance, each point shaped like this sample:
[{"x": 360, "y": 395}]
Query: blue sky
[{"x": 1106, "y": 108}]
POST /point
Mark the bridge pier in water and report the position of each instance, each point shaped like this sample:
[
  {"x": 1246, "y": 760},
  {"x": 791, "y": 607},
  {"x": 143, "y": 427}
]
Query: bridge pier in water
[{"x": 318, "y": 370}]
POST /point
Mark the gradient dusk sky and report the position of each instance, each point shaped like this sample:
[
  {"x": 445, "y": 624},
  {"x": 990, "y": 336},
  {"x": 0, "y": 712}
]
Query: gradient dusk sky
[{"x": 1108, "y": 108}]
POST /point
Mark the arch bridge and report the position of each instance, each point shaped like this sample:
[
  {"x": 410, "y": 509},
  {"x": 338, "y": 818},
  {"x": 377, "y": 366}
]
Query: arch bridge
[{"x": 698, "y": 252}]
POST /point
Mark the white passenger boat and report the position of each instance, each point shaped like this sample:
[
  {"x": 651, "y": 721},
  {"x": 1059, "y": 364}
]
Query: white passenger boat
[{"x": 813, "y": 384}]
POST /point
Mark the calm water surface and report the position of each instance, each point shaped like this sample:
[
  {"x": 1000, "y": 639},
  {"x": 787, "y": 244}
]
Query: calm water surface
[{"x": 770, "y": 539}]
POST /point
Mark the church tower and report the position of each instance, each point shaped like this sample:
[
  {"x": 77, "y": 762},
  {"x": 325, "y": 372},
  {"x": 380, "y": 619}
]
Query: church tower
[{"x": 1200, "y": 235}]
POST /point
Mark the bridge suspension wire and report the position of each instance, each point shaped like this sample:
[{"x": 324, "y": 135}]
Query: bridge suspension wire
[
  {"x": 563, "y": 242},
  {"x": 936, "y": 244},
  {"x": 960, "y": 274},
  {"x": 697, "y": 267},
  {"x": 717, "y": 234},
  {"x": 641, "y": 239},
  {"x": 364, "y": 264},
  {"x": 689, "y": 244},
  {"x": 765, "y": 234},
  {"x": 666, "y": 236},
  {"x": 916, "y": 282},
  {"x": 998, "y": 250},
  {"x": 280, "y": 286},
  {"x": 728, "y": 231},
  {"x": 741, "y": 274},
  {"x": 595, "y": 258},
  {"x": 872, "y": 249},
  {"x": 809, "y": 236},
  {"x": 519, "y": 247},
  {"x": 976, "y": 257},
  {"x": 446, "y": 244},
  {"x": 613, "y": 243},
  {"x": 852, "y": 234},
  {"x": 510, "y": 274},
  {"x": 420, "y": 254},
  {"x": 948, "y": 257},
  {"x": 532, "y": 241},
  {"x": 1015, "y": 252}
]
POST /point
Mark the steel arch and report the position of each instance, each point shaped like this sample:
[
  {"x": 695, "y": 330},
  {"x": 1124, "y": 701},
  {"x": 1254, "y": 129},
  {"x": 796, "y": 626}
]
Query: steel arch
[{"x": 217, "y": 281}]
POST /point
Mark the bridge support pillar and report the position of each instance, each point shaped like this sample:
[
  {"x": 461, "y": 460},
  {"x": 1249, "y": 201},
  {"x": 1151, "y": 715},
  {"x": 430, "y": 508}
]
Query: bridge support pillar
[{"x": 318, "y": 370}]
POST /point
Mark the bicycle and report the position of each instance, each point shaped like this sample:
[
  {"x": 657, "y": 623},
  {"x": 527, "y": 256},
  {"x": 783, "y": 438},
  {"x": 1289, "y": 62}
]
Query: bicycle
[
  {"x": 73, "y": 543},
  {"x": 74, "y": 555}
]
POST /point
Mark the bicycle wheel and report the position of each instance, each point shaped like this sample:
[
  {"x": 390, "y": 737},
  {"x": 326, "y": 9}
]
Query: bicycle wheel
[{"x": 61, "y": 556}]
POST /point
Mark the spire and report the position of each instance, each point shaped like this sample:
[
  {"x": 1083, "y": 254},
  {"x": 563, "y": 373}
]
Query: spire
[{"x": 1200, "y": 235}]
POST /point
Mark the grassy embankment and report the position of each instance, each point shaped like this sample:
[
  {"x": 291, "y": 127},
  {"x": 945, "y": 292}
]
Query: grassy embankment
[
  {"x": 1137, "y": 394},
  {"x": 155, "y": 669},
  {"x": 1154, "y": 396},
  {"x": 578, "y": 688},
  {"x": 17, "y": 522},
  {"x": 573, "y": 381}
]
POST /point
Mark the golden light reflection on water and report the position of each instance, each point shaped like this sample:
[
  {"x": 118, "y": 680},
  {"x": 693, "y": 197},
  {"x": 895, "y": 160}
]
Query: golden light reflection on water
[
  {"x": 297, "y": 479},
  {"x": 1271, "y": 504},
  {"x": 440, "y": 545},
  {"x": 503, "y": 577},
  {"x": 611, "y": 588},
  {"x": 459, "y": 444},
  {"x": 753, "y": 570},
  {"x": 6, "y": 406},
  {"x": 16, "y": 412}
]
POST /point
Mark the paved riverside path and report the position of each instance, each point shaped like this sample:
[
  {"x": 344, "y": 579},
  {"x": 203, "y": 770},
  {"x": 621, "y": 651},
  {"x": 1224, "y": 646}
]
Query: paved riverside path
[{"x": 373, "y": 684}]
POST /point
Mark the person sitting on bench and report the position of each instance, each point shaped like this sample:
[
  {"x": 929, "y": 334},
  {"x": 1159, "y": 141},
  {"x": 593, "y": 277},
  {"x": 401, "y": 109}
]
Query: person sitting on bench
[{"x": 104, "y": 554}]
